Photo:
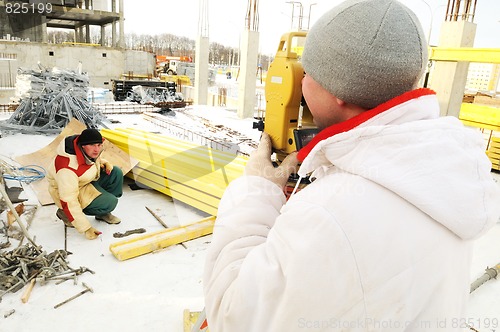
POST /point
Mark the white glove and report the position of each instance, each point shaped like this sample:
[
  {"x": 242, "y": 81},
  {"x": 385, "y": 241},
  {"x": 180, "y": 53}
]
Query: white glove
[{"x": 260, "y": 163}]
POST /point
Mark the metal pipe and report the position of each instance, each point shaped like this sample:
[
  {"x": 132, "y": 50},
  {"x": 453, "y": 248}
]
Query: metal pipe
[
  {"x": 14, "y": 212},
  {"x": 491, "y": 273}
]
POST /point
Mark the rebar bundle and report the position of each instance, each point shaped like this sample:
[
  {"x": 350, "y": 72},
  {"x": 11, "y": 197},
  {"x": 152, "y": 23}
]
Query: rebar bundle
[{"x": 49, "y": 100}]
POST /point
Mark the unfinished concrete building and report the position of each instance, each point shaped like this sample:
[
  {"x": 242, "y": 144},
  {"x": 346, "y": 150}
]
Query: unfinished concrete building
[{"x": 24, "y": 43}]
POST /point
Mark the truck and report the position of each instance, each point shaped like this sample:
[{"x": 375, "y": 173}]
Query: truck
[{"x": 170, "y": 64}]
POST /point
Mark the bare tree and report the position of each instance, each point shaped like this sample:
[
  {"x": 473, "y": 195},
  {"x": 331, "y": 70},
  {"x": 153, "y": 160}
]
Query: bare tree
[{"x": 163, "y": 44}]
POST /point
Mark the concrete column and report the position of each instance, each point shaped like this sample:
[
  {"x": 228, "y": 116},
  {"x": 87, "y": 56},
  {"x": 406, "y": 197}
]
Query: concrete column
[
  {"x": 103, "y": 35},
  {"x": 87, "y": 34},
  {"x": 114, "y": 42},
  {"x": 247, "y": 80},
  {"x": 449, "y": 78},
  {"x": 44, "y": 30},
  {"x": 121, "y": 41},
  {"x": 201, "y": 70},
  {"x": 79, "y": 34}
]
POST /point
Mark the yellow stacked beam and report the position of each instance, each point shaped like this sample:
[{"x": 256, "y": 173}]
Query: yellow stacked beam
[
  {"x": 482, "y": 116},
  {"x": 494, "y": 153},
  {"x": 193, "y": 174}
]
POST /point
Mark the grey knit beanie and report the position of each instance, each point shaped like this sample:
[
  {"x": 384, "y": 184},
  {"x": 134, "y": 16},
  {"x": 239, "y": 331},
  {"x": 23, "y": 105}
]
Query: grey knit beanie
[{"x": 366, "y": 52}]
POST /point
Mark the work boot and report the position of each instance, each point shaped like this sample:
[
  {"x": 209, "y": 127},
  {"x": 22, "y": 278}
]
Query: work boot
[
  {"x": 109, "y": 218},
  {"x": 61, "y": 215}
]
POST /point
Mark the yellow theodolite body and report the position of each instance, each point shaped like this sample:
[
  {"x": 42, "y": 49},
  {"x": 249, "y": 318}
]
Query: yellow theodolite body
[{"x": 284, "y": 95}]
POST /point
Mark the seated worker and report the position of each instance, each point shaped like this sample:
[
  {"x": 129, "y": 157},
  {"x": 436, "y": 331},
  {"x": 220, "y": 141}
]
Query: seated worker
[{"x": 82, "y": 183}]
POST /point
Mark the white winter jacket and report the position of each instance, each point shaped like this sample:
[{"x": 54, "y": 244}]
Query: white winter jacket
[{"x": 380, "y": 241}]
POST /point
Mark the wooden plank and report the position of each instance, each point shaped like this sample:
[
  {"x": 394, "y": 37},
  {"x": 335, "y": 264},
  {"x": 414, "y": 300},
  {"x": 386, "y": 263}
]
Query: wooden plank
[
  {"x": 27, "y": 291},
  {"x": 145, "y": 244},
  {"x": 44, "y": 156}
]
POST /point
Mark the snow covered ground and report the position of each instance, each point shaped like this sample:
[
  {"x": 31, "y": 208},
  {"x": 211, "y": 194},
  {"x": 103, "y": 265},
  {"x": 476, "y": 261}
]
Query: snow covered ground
[
  {"x": 147, "y": 293},
  {"x": 150, "y": 292}
]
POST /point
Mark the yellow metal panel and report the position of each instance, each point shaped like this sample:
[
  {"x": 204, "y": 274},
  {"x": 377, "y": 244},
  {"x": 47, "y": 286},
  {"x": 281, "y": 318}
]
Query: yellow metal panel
[
  {"x": 484, "y": 55},
  {"x": 494, "y": 152},
  {"x": 158, "y": 240},
  {"x": 179, "y": 195},
  {"x": 176, "y": 187},
  {"x": 195, "y": 156},
  {"x": 188, "y": 173},
  {"x": 193, "y": 174},
  {"x": 147, "y": 141}
]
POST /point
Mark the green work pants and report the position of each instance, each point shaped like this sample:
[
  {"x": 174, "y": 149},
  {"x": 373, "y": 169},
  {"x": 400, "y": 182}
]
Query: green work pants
[{"x": 111, "y": 188}]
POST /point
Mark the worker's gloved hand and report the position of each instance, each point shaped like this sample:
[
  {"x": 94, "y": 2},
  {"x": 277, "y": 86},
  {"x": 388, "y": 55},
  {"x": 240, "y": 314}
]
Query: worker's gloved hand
[
  {"x": 107, "y": 166},
  {"x": 92, "y": 233},
  {"x": 260, "y": 163}
]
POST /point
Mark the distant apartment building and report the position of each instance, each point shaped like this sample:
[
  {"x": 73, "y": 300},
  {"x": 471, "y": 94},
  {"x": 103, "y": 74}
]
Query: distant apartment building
[{"x": 483, "y": 77}]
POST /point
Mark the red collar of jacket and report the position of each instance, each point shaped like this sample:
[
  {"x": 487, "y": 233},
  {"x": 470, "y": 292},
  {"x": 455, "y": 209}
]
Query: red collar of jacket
[
  {"x": 80, "y": 158},
  {"x": 361, "y": 118}
]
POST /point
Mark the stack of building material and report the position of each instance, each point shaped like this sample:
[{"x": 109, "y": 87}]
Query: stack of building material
[
  {"x": 494, "y": 153},
  {"x": 153, "y": 95},
  {"x": 49, "y": 100},
  {"x": 122, "y": 88},
  {"x": 193, "y": 174}
]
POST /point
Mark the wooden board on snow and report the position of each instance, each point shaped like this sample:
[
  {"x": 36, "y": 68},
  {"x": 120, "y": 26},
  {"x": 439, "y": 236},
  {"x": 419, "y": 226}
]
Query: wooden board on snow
[{"x": 145, "y": 244}]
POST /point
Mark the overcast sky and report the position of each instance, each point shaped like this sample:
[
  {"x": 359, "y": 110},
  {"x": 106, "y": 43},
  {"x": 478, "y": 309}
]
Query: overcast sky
[{"x": 227, "y": 17}]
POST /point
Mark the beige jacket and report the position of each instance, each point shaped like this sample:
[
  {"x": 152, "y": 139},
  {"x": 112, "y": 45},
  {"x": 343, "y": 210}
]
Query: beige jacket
[{"x": 70, "y": 177}]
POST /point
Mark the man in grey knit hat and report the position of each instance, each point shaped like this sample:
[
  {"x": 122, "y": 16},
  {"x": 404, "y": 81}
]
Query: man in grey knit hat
[{"x": 381, "y": 239}]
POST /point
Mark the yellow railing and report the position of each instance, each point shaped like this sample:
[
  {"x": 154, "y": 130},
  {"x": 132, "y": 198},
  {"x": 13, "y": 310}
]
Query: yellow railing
[
  {"x": 482, "y": 55},
  {"x": 477, "y": 115}
]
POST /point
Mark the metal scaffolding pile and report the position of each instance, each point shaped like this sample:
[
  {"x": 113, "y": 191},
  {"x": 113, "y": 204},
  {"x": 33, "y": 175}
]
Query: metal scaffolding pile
[{"x": 49, "y": 100}]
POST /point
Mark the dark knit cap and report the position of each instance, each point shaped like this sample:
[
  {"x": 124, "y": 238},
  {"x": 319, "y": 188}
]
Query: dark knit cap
[
  {"x": 90, "y": 136},
  {"x": 366, "y": 52}
]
